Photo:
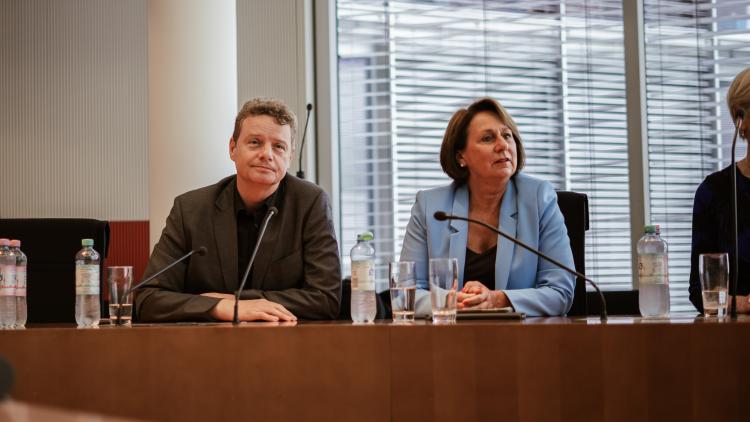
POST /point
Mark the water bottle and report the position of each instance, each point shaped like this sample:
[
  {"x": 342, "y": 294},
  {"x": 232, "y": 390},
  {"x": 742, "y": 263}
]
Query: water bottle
[
  {"x": 653, "y": 274},
  {"x": 20, "y": 292},
  {"x": 7, "y": 285},
  {"x": 88, "y": 311},
  {"x": 363, "y": 279}
]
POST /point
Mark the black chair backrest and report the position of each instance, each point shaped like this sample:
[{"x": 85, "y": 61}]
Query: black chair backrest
[
  {"x": 575, "y": 209},
  {"x": 51, "y": 245},
  {"x": 382, "y": 301},
  {"x": 619, "y": 302}
]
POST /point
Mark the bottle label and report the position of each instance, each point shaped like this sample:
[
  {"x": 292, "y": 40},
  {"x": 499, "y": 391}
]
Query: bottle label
[
  {"x": 363, "y": 275},
  {"x": 7, "y": 280},
  {"x": 652, "y": 269},
  {"x": 21, "y": 281},
  {"x": 87, "y": 279}
]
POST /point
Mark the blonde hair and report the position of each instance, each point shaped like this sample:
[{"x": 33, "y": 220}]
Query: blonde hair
[{"x": 738, "y": 94}]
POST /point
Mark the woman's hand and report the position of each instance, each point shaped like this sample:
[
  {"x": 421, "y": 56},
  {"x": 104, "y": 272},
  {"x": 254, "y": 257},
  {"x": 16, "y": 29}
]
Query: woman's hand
[
  {"x": 743, "y": 304},
  {"x": 476, "y": 295}
]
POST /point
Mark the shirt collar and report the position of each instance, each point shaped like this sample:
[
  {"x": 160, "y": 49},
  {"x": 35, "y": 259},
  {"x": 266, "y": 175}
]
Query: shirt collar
[{"x": 272, "y": 200}]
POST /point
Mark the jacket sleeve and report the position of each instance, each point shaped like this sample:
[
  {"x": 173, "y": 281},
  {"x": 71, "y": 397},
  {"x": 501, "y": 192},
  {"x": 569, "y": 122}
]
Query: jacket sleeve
[
  {"x": 704, "y": 240},
  {"x": 415, "y": 249},
  {"x": 165, "y": 298},
  {"x": 319, "y": 297},
  {"x": 553, "y": 293}
]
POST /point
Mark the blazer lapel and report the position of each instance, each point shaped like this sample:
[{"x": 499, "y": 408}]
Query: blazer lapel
[
  {"x": 225, "y": 230},
  {"x": 459, "y": 230},
  {"x": 506, "y": 248}
]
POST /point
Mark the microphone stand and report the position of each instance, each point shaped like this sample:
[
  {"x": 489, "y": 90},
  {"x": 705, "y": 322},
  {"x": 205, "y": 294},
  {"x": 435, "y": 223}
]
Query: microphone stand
[
  {"x": 300, "y": 172},
  {"x": 740, "y": 115},
  {"x": 201, "y": 251},
  {"x": 603, "y": 314},
  {"x": 269, "y": 214}
]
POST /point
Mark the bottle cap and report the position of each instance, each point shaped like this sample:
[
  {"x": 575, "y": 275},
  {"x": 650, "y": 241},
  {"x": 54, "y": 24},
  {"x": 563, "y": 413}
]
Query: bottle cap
[
  {"x": 650, "y": 229},
  {"x": 87, "y": 242},
  {"x": 366, "y": 236},
  {"x": 15, "y": 243},
  {"x": 4, "y": 242}
]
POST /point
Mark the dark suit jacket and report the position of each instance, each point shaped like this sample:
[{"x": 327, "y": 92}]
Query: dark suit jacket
[{"x": 297, "y": 264}]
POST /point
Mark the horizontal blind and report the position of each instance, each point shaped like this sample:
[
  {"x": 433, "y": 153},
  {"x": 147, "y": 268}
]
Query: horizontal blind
[
  {"x": 406, "y": 66},
  {"x": 693, "y": 51}
]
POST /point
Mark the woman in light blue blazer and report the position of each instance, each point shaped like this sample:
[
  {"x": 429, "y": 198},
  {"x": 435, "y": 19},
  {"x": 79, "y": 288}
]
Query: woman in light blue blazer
[{"x": 482, "y": 152}]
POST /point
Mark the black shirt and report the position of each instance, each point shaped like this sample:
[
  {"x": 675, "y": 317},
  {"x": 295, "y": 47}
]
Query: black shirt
[
  {"x": 248, "y": 227},
  {"x": 481, "y": 267},
  {"x": 712, "y": 229}
]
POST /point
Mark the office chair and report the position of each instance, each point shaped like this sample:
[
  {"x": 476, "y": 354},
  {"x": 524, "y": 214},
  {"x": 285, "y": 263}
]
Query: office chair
[{"x": 574, "y": 207}]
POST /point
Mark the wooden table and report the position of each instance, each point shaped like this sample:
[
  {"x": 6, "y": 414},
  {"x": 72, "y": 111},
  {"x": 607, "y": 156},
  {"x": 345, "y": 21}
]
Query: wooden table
[{"x": 540, "y": 369}]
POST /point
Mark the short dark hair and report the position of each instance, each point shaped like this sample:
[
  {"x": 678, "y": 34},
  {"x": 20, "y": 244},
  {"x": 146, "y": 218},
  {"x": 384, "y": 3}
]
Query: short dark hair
[
  {"x": 456, "y": 133},
  {"x": 266, "y": 107}
]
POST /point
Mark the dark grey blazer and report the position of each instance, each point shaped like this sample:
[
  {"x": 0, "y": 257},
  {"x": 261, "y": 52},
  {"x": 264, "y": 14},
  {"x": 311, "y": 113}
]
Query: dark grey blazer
[{"x": 297, "y": 264}]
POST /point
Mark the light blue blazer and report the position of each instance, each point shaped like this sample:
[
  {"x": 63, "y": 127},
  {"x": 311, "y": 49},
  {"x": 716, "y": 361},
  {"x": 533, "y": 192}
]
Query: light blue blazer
[{"x": 528, "y": 212}]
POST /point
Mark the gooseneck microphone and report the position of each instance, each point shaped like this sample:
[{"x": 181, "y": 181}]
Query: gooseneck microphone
[
  {"x": 300, "y": 172},
  {"x": 738, "y": 118},
  {"x": 201, "y": 250},
  {"x": 270, "y": 213},
  {"x": 442, "y": 216}
]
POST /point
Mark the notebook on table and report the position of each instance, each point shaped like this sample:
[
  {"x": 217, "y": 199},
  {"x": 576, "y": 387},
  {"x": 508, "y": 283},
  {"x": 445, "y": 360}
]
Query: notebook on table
[{"x": 491, "y": 313}]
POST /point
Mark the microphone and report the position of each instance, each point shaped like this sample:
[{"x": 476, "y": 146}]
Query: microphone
[
  {"x": 200, "y": 251},
  {"x": 270, "y": 213},
  {"x": 442, "y": 216},
  {"x": 300, "y": 172},
  {"x": 739, "y": 116}
]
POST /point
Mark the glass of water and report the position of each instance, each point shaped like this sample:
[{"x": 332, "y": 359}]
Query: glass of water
[
  {"x": 714, "y": 273},
  {"x": 120, "y": 280},
  {"x": 443, "y": 289},
  {"x": 403, "y": 284}
]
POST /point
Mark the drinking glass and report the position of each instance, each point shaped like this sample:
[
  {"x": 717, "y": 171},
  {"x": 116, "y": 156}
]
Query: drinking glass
[
  {"x": 403, "y": 284},
  {"x": 120, "y": 279},
  {"x": 714, "y": 274},
  {"x": 443, "y": 289}
]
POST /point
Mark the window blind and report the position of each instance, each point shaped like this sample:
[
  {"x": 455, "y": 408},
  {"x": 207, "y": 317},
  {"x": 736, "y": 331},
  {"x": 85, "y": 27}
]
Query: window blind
[
  {"x": 693, "y": 51},
  {"x": 406, "y": 66}
]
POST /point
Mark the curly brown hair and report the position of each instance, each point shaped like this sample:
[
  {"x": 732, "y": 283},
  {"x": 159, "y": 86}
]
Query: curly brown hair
[{"x": 267, "y": 107}]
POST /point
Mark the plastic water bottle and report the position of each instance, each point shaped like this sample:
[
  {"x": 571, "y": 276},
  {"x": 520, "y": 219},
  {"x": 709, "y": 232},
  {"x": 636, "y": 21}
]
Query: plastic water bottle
[
  {"x": 88, "y": 311},
  {"x": 363, "y": 304},
  {"x": 20, "y": 292},
  {"x": 653, "y": 274},
  {"x": 7, "y": 285}
]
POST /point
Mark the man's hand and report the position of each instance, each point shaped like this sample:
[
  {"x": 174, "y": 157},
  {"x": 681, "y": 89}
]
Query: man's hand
[
  {"x": 249, "y": 310},
  {"x": 218, "y": 295}
]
